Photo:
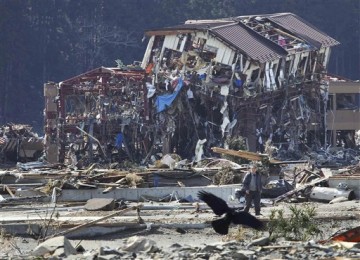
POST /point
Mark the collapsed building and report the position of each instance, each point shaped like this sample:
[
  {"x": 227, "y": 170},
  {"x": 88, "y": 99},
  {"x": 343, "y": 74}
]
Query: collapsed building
[
  {"x": 199, "y": 85},
  {"x": 260, "y": 77},
  {"x": 88, "y": 116}
]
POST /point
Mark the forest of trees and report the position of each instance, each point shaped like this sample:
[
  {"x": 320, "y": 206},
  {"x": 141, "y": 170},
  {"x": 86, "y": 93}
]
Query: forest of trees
[{"x": 53, "y": 40}]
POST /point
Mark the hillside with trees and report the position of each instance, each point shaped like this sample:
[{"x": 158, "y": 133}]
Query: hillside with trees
[{"x": 52, "y": 40}]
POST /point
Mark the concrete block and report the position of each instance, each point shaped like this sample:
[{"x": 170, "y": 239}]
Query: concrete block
[
  {"x": 50, "y": 90},
  {"x": 138, "y": 244},
  {"x": 61, "y": 245},
  {"x": 130, "y": 194},
  {"x": 100, "y": 204}
]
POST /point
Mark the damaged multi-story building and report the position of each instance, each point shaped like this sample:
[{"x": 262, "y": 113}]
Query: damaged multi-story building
[
  {"x": 260, "y": 77},
  {"x": 200, "y": 84},
  {"x": 343, "y": 113}
]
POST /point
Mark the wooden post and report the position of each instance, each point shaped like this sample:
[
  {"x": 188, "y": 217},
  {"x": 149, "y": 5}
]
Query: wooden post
[{"x": 97, "y": 220}]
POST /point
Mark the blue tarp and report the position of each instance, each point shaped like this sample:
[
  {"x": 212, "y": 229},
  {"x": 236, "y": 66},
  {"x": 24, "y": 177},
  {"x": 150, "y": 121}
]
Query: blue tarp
[
  {"x": 118, "y": 140},
  {"x": 164, "y": 101}
]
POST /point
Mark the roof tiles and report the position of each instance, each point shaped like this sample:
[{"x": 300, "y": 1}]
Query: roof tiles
[
  {"x": 234, "y": 32},
  {"x": 249, "y": 42}
]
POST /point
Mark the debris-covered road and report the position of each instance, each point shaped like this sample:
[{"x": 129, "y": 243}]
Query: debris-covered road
[{"x": 178, "y": 233}]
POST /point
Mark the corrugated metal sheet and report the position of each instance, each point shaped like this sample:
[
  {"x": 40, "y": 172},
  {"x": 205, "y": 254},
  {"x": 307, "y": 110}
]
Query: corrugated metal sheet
[
  {"x": 171, "y": 42},
  {"x": 303, "y": 29},
  {"x": 249, "y": 42}
]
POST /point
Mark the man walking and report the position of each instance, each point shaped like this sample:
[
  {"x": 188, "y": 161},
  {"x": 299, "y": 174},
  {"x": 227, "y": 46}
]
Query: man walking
[{"x": 252, "y": 186}]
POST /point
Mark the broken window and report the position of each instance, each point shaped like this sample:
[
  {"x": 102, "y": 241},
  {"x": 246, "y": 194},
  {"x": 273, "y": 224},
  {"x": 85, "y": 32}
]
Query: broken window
[
  {"x": 297, "y": 107},
  {"x": 302, "y": 65},
  {"x": 157, "y": 45},
  {"x": 181, "y": 42},
  {"x": 255, "y": 74},
  {"x": 198, "y": 44},
  {"x": 279, "y": 77},
  {"x": 172, "y": 59},
  {"x": 75, "y": 105},
  {"x": 347, "y": 101},
  {"x": 287, "y": 69},
  {"x": 321, "y": 57},
  {"x": 329, "y": 137},
  {"x": 330, "y": 102},
  {"x": 345, "y": 138},
  {"x": 209, "y": 53},
  {"x": 188, "y": 42}
]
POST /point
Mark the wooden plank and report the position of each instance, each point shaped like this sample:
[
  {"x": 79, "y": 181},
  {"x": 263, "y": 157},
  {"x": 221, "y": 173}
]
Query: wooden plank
[
  {"x": 90, "y": 223},
  {"x": 243, "y": 154},
  {"x": 9, "y": 191}
]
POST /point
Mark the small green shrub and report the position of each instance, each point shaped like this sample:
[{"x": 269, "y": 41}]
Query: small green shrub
[{"x": 299, "y": 226}]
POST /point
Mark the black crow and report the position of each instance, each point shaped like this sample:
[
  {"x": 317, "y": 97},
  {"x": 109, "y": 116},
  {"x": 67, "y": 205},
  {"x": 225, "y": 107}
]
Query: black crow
[{"x": 232, "y": 215}]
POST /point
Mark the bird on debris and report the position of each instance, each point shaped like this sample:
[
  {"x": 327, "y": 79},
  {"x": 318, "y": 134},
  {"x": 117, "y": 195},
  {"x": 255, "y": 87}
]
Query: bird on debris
[{"x": 232, "y": 215}]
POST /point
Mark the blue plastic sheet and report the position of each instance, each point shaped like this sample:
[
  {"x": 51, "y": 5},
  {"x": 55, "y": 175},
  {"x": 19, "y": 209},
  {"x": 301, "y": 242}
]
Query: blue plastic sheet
[
  {"x": 164, "y": 101},
  {"x": 118, "y": 140}
]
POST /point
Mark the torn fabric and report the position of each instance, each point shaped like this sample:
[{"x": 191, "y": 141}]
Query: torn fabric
[
  {"x": 199, "y": 150},
  {"x": 119, "y": 140},
  {"x": 164, "y": 101}
]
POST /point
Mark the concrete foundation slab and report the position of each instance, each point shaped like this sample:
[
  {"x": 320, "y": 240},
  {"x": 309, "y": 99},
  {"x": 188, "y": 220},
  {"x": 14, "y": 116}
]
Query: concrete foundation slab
[
  {"x": 94, "y": 231},
  {"x": 128, "y": 194}
]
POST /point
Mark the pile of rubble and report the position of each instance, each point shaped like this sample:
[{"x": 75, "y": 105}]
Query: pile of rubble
[
  {"x": 19, "y": 144},
  {"x": 282, "y": 180},
  {"x": 334, "y": 157},
  {"x": 138, "y": 247},
  {"x": 92, "y": 220}
]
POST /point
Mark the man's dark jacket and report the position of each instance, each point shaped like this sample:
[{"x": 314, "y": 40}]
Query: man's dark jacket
[{"x": 247, "y": 180}]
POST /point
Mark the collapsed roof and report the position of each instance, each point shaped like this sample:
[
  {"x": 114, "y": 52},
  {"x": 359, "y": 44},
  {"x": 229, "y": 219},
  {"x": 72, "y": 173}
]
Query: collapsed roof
[{"x": 258, "y": 36}]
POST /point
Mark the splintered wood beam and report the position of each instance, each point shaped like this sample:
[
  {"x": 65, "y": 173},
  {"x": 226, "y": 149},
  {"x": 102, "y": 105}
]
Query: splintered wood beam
[
  {"x": 90, "y": 223},
  {"x": 243, "y": 154},
  {"x": 9, "y": 191},
  {"x": 292, "y": 192}
]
